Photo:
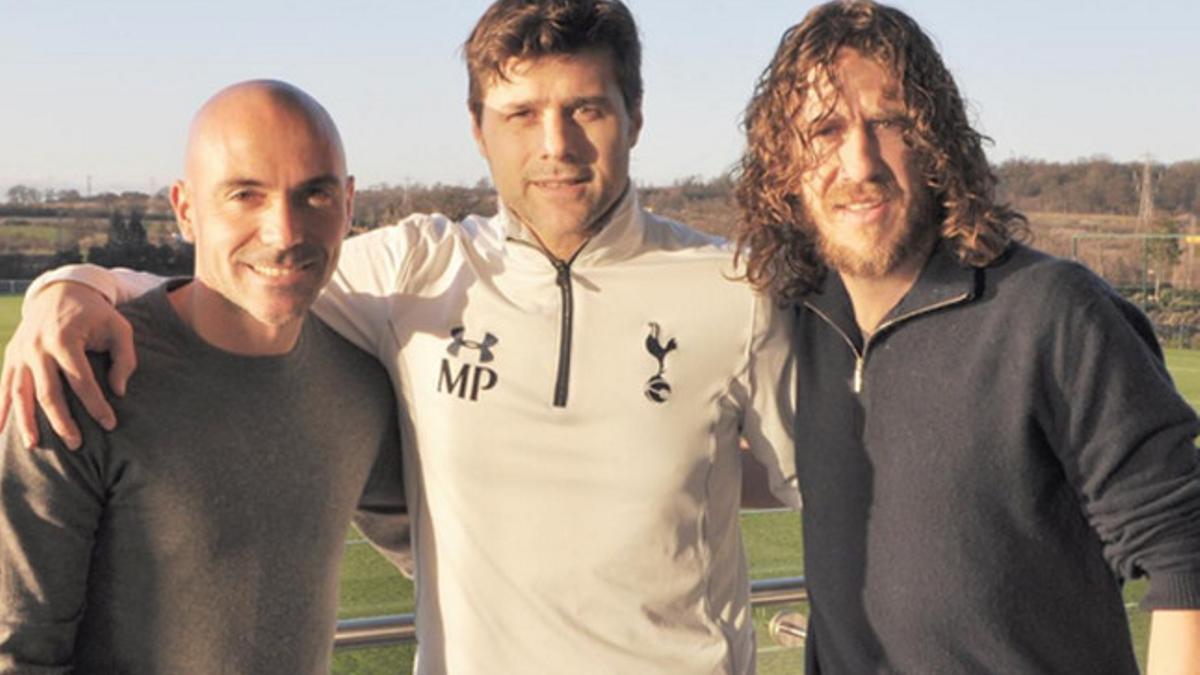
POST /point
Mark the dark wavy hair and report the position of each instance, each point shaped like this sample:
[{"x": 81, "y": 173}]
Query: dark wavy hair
[
  {"x": 523, "y": 29},
  {"x": 774, "y": 233}
]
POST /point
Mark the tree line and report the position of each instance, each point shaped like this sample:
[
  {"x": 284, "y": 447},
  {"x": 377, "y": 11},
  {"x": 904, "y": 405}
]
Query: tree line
[
  {"x": 27, "y": 202},
  {"x": 1097, "y": 185},
  {"x": 127, "y": 245}
]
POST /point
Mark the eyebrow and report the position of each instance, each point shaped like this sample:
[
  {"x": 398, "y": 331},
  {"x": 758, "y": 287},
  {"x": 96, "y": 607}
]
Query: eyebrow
[
  {"x": 316, "y": 181},
  {"x": 322, "y": 181},
  {"x": 238, "y": 183},
  {"x": 579, "y": 102},
  {"x": 589, "y": 100}
]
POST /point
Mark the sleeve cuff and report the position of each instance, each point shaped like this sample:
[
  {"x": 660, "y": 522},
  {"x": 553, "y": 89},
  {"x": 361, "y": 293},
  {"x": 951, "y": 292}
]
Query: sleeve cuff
[
  {"x": 96, "y": 278},
  {"x": 1173, "y": 590}
]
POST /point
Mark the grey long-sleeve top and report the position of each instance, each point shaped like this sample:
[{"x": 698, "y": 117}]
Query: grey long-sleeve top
[{"x": 204, "y": 534}]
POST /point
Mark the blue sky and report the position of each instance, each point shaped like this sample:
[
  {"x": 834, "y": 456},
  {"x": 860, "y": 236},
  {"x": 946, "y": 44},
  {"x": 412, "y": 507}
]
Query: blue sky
[{"x": 107, "y": 88}]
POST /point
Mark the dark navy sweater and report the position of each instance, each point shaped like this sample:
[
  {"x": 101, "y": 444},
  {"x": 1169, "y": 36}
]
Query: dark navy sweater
[{"x": 980, "y": 477}]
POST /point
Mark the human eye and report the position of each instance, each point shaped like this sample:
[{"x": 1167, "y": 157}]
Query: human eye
[
  {"x": 588, "y": 112},
  {"x": 319, "y": 197},
  {"x": 519, "y": 115},
  {"x": 897, "y": 123},
  {"x": 826, "y": 132},
  {"x": 244, "y": 196}
]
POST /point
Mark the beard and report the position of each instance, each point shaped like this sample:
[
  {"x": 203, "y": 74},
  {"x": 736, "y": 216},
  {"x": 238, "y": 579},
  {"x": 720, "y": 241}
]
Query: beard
[
  {"x": 877, "y": 249},
  {"x": 877, "y": 261}
]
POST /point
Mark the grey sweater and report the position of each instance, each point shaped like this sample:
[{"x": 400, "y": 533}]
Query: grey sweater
[
  {"x": 1014, "y": 450},
  {"x": 204, "y": 534}
]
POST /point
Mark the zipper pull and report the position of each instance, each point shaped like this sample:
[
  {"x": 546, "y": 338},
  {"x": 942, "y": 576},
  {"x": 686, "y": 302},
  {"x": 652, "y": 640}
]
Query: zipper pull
[
  {"x": 858, "y": 374},
  {"x": 564, "y": 273}
]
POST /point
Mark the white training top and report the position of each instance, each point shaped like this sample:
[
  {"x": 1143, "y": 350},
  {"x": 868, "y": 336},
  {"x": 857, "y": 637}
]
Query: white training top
[{"x": 571, "y": 437}]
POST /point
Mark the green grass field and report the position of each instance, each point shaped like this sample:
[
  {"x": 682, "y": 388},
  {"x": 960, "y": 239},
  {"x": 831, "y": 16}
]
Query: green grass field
[
  {"x": 10, "y": 313},
  {"x": 371, "y": 587}
]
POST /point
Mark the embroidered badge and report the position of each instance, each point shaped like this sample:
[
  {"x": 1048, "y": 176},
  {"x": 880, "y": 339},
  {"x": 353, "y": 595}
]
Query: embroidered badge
[{"x": 657, "y": 387}]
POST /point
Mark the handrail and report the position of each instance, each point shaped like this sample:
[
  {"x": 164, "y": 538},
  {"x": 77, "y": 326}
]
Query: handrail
[
  {"x": 376, "y": 631},
  {"x": 392, "y": 629}
]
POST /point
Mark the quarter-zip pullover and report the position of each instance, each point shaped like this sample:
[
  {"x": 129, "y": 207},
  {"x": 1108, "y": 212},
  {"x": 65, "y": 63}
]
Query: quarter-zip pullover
[
  {"x": 983, "y": 472},
  {"x": 566, "y": 520}
]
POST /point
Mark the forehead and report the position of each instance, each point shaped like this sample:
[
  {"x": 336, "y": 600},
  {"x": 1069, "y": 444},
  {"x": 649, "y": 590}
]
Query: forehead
[
  {"x": 853, "y": 81},
  {"x": 267, "y": 144},
  {"x": 585, "y": 74}
]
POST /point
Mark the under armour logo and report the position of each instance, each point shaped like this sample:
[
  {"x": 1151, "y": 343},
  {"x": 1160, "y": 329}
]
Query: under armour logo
[
  {"x": 657, "y": 388},
  {"x": 484, "y": 347},
  {"x": 468, "y": 380}
]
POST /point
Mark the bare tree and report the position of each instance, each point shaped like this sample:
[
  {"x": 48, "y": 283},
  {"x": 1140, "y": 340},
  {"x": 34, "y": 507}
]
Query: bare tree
[{"x": 24, "y": 195}]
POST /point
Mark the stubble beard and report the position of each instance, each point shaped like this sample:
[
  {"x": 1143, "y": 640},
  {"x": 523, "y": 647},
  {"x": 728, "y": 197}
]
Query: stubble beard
[
  {"x": 276, "y": 306},
  {"x": 549, "y": 221},
  {"x": 884, "y": 255},
  {"x": 880, "y": 260}
]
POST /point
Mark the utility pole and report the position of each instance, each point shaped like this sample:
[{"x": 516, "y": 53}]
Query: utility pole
[{"x": 1145, "y": 220}]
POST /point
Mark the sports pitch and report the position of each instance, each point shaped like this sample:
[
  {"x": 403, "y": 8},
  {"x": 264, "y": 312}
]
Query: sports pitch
[{"x": 371, "y": 587}]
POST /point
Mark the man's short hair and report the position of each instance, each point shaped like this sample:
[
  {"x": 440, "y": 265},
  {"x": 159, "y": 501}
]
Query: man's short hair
[
  {"x": 773, "y": 228},
  {"x": 521, "y": 29}
]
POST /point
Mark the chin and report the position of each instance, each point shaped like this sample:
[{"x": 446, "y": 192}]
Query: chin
[
  {"x": 279, "y": 319},
  {"x": 280, "y": 313},
  {"x": 862, "y": 259}
]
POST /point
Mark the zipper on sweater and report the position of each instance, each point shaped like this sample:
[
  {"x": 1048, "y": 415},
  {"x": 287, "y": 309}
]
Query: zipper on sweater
[
  {"x": 860, "y": 357},
  {"x": 564, "y": 340},
  {"x": 562, "y": 279}
]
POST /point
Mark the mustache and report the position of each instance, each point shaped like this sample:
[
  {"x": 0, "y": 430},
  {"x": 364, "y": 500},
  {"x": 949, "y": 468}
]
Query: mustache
[
  {"x": 538, "y": 175},
  {"x": 294, "y": 256},
  {"x": 868, "y": 191}
]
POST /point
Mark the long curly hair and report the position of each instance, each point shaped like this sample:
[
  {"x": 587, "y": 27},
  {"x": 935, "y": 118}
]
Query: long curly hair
[{"x": 774, "y": 232}]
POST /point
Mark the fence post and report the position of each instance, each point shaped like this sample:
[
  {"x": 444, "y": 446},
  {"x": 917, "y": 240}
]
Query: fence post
[{"x": 1145, "y": 275}]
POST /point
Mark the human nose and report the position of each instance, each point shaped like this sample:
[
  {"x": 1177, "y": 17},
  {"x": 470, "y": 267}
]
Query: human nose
[
  {"x": 557, "y": 133},
  {"x": 859, "y": 154},
  {"x": 280, "y": 226}
]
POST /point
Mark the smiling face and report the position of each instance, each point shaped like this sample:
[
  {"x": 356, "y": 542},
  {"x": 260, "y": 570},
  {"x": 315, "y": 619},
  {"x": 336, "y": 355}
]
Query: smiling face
[
  {"x": 267, "y": 203},
  {"x": 863, "y": 187},
  {"x": 556, "y": 134}
]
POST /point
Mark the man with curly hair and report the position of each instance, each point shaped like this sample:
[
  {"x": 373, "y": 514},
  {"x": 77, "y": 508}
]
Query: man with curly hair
[
  {"x": 571, "y": 423},
  {"x": 989, "y": 443}
]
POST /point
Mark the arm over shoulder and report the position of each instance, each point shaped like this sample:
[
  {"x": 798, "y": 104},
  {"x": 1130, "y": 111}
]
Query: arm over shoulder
[
  {"x": 370, "y": 274},
  {"x": 118, "y": 284}
]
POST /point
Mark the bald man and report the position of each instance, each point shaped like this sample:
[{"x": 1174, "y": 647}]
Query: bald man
[{"x": 204, "y": 535}]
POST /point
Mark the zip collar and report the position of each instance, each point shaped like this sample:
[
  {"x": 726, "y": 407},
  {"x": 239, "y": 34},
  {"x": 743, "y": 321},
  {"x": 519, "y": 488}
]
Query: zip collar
[
  {"x": 943, "y": 282},
  {"x": 619, "y": 235}
]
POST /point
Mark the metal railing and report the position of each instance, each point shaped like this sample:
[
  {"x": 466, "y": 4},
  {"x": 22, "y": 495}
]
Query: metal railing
[
  {"x": 14, "y": 286},
  {"x": 787, "y": 628}
]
